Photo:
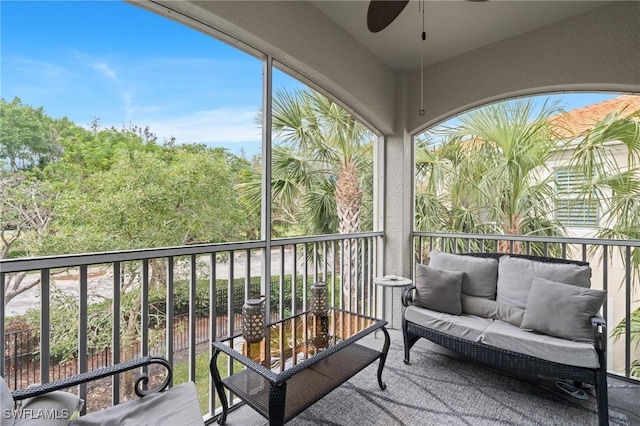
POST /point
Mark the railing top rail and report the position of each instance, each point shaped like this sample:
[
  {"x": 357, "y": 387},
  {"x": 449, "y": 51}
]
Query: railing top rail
[
  {"x": 330, "y": 237},
  {"x": 566, "y": 240},
  {"x": 67, "y": 260}
]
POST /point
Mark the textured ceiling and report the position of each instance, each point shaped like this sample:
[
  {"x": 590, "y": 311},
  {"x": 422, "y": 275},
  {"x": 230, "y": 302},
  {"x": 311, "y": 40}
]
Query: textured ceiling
[{"x": 453, "y": 27}]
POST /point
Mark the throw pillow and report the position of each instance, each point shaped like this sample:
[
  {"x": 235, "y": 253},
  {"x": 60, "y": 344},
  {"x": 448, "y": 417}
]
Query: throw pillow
[
  {"x": 562, "y": 310},
  {"x": 481, "y": 274},
  {"x": 515, "y": 276},
  {"x": 438, "y": 290},
  {"x": 491, "y": 309}
]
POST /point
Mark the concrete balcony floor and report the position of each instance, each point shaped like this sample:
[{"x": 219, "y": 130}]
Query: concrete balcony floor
[{"x": 623, "y": 395}]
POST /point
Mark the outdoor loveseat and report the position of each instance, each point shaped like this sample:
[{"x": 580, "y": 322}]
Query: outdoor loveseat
[
  {"x": 47, "y": 405},
  {"x": 525, "y": 314}
]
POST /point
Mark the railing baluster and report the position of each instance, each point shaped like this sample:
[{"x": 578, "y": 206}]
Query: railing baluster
[
  {"x": 248, "y": 294},
  {"x": 115, "y": 333},
  {"x": 305, "y": 254},
  {"x": 371, "y": 310},
  {"x": 213, "y": 330},
  {"x": 193, "y": 283},
  {"x": 282, "y": 282},
  {"x": 333, "y": 273},
  {"x": 170, "y": 316},
  {"x": 45, "y": 324},
  {"x": 82, "y": 333},
  {"x": 294, "y": 283},
  {"x": 627, "y": 310},
  {"x": 315, "y": 262},
  {"x": 605, "y": 278},
  {"x": 354, "y": 260},
  {"x": 144, "y": 314}
]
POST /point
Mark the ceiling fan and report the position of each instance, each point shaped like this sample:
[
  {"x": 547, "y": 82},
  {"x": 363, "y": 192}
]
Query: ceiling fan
[{"x": 381, "y": 13}]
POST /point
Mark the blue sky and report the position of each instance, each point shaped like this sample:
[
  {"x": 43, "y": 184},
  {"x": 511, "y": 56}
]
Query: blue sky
[{"x": 124, "y": 65}]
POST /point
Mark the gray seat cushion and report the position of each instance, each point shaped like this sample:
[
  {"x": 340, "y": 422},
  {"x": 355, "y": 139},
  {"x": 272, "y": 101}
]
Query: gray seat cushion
[
  {"x": 480, "y": 275},
  {"x": 176, "y": 406},
  {"x": 507, "y": 336},
  {"x": 465, "y": 326},
  {"x": 515, "y": 276}
]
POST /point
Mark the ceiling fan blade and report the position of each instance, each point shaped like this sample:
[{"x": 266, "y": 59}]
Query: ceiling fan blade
[{"x": 382, "y": 12}]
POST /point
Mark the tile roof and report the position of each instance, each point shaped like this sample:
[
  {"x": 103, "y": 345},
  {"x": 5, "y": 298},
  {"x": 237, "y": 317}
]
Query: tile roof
[{"x": 575, "y": 122}]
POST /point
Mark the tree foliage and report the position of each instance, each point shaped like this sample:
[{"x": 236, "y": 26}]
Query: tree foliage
[
  {"x": 29, "y": 137},
  {"x": 484, "y": 175},
  {"x": 67, "y": 189},
  {"x": 322, "y": 168}
]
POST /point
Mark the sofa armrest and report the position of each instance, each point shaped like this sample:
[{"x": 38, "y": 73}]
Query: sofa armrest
[
  {"x": 599, "y": 333},
  {"x": 99, "y": 374},
  {"x": 407, "y": 296}
]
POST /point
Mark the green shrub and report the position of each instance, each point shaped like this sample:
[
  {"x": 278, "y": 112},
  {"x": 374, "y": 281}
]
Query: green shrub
[{"x": 64, "y": 332}]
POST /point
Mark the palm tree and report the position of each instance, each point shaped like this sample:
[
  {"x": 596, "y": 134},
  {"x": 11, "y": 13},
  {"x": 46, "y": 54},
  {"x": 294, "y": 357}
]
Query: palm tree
[
  {"x": 485, "y": 175},
  {"x": 612, "y": 177},
  {"x": 321, "y": 171}
]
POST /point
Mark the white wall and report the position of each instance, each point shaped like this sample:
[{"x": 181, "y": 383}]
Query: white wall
[{"x": 598, "y": 50}]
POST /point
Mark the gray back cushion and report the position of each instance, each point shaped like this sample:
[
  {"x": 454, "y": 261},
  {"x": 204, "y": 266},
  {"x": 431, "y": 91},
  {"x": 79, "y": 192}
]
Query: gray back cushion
[
  {"x": 491, "y": 309},
  {"x": 480, "y": 275},
  {"x": 515, "y": 276}
]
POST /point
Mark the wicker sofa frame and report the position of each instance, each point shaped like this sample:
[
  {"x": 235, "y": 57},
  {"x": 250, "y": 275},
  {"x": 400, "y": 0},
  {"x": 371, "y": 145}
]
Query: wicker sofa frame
[{"x": 513, "y": 361}]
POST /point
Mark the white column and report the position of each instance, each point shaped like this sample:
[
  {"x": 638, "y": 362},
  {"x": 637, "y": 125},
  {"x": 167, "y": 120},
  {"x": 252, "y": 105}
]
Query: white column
[{"x": 398, "y": 201}]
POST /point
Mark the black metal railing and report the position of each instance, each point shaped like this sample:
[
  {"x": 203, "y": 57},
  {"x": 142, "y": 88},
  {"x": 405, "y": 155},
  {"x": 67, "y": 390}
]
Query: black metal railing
[{"x": 200, "y": 289}]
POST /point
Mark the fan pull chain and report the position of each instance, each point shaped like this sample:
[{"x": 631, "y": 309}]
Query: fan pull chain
[{"x": 424, "y": 38}]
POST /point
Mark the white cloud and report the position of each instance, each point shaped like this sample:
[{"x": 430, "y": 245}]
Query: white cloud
[
  {"x": 225, "y": 125},
  {"x": 105, "y": 69}
]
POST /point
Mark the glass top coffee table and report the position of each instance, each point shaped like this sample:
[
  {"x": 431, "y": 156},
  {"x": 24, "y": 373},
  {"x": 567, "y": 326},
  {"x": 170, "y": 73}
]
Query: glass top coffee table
[{"x": 300, "y": 360}]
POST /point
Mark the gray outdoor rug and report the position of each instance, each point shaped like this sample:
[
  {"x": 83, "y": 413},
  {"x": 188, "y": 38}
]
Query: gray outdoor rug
[{"x": 440, "y": 390}]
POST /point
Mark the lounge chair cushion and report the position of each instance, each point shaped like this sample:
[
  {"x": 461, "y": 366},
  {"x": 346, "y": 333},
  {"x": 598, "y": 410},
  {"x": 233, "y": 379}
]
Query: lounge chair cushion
[
  {"x": 507, "y": 336},
  {"x": 515, "y": 276},
  {"x": 438, "y": 289},
  {"x": 176, "y": 406},
  {"x": 465, "y": 326},
  {"x": 480, "y": 275},
  {"x": 562, "y": 310}
]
